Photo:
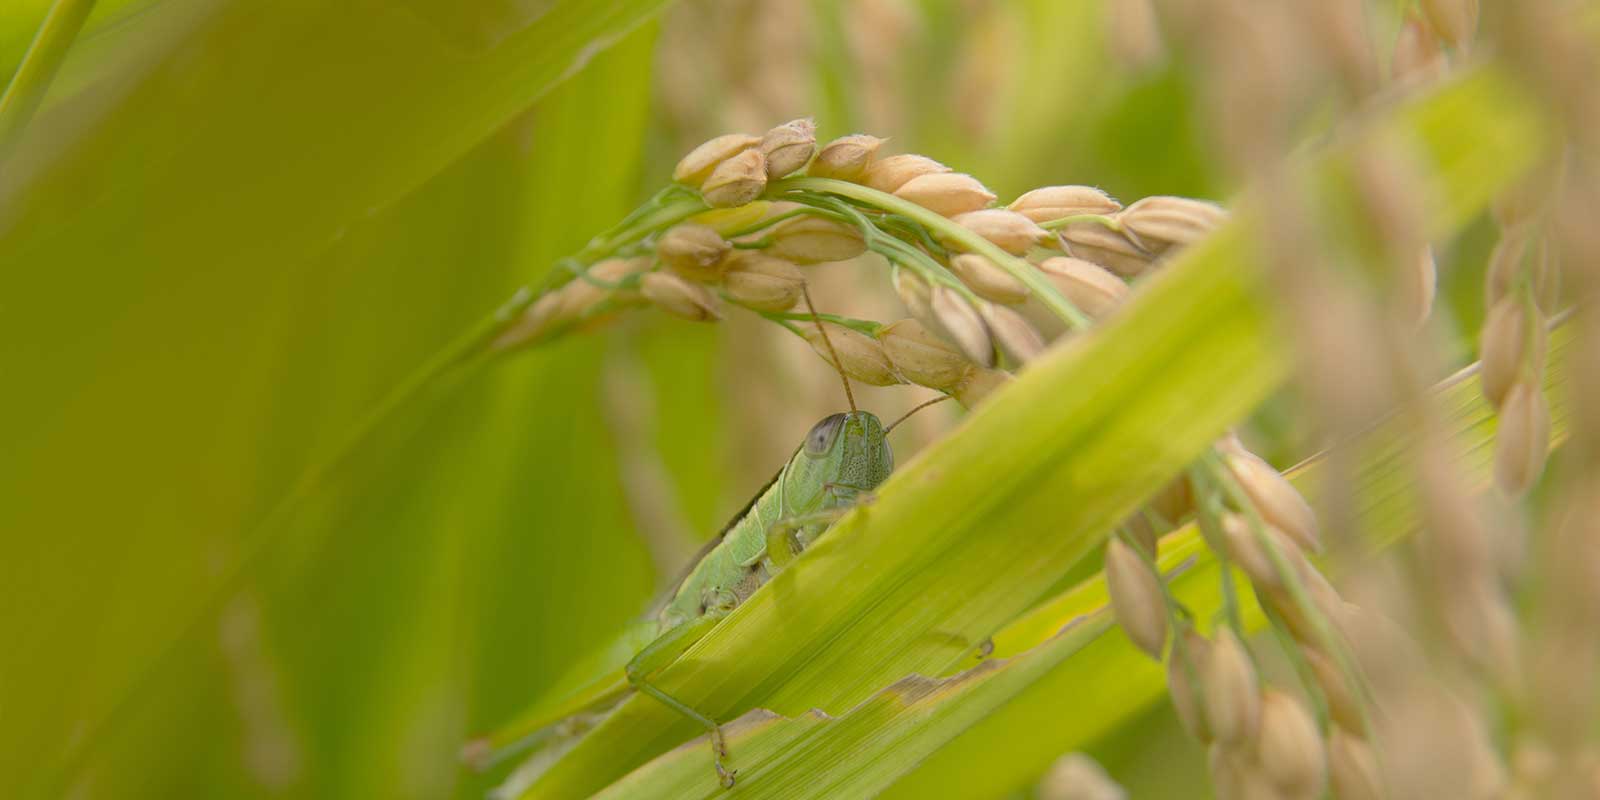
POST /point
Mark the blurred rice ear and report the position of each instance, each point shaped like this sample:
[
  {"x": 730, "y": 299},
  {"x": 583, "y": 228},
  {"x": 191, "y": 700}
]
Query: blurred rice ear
[
  {"x": 679, "y": 297},
  {"x": 946, "y": 193},
  {"x": 1234, "y": 773},
  {"x": 571, "y": 302},
  {"x": 736, "y": 181},
  {"x": 958, "y": 321},
  {"x": 1418, "y": 56},
  {"x": 788, "y": 147},
  {"x": 1076, "y": 776},
  {"x": 845, "y": 158},
  {"x": 1008, "y": 230},
  {"x": 815, "y": 240},
  {"x": 1341, "y": 33},
  {"x": 581, "y": 296},
  {"x": 860, "y": 356},
  {"x": 1159, "y": 224},
  {"x": 1343, "y": 705},
  {"x": 889, "y": 174},
  {"x": 978, "y": 385},
  {"x": 726, "y": 221},
  {"x": 1249, "y": 554},
  {"x": 1482, "y": 626},
  {"x": 1133, "y": 35},
  {"x": 923, "y": 357},
  {"x": 1276, "y": 499},
  {"x": 1504, "y": 348},
  {"x": 1520, "y": 204},
  {"x": 915, "y": 295},
  {"x": 1013, "y": 335},
  {"x": 1088, "y": 286},
  {"x": 1231, "y": 696},
  {"x": 1175, "y": 501},
  {"x": 987, "y": 280},
  {"x": 1417, "y": 285},
  {"x": 1137, "y": 598},
  {"x": 1353, "y": 768},
  {"x": 1055, "y": 202},
  {"x": 1191, "y": 657},
  {"x": 693, "y": 251},
  {"x": 1455, "y": 20},
  {"x": 532, "y": 323},
  {"x": 1524, "y": 248},
  {"x": 1523, "y": 441},
  {"x": 762, "y": 282},
  {"x": 1290, "y": 747},
  {"x": 698, "y": 164},
  {"x": 1094, "y": 242}
]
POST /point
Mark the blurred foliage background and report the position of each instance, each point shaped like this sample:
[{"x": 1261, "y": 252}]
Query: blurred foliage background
[{"x": 236, "y": 225}]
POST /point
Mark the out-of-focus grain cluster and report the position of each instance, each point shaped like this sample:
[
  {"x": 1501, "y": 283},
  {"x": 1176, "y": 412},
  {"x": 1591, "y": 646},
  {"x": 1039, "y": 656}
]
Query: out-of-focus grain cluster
[
  {"x": 1264, "y": 741},
  {"x": 1467, "y": 668}
]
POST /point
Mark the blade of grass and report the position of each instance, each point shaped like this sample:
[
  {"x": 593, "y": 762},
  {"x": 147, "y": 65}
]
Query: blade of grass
[
  {"x": 39, "y": 65},
  {"x": 857, "y": 754},
  {"x": 977, "y": 528},
  {"x": 149, "y": 376}
]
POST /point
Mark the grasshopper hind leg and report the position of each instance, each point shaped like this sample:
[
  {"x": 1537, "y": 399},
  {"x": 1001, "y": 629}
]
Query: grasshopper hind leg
[
  {"x": 664, "y": 651},
  {"x": 719, "y": 748}
]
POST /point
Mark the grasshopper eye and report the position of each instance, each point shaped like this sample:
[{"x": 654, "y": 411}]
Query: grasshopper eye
[{"x": 820, "y": 440}]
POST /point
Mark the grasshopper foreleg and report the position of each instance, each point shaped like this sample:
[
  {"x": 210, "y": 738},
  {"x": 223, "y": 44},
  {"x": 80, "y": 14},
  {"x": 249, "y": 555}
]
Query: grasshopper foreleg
[
  {"x": 664, "y": 651},
  {"x": 783, "y": 543}
]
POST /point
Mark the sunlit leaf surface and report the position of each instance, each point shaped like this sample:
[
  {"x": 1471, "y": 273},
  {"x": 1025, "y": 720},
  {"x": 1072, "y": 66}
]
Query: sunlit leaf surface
[{"x": 213, "y": 265}]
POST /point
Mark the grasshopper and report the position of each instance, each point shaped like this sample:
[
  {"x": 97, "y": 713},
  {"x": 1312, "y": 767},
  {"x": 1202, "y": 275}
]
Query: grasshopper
[{"x": 842, "y": 460}]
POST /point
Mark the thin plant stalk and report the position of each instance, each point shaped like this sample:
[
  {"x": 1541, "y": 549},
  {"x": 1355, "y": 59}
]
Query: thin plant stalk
[
  {"x": 1302, "y": 667},
  {"x": 39, "y": 65},
  {"x": 783, "y": 318},
  {"x": 1209, "y": 514}
]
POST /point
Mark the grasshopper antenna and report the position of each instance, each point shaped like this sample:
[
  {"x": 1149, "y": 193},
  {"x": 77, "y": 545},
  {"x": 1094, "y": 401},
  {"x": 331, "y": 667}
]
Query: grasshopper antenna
[
  {"x": 834, "y": 354},
  {"x": 919, "y": 407}
]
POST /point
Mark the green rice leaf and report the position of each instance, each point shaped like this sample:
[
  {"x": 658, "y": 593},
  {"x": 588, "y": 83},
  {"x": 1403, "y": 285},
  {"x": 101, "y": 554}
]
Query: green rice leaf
[{"x": 213, "y": 267}]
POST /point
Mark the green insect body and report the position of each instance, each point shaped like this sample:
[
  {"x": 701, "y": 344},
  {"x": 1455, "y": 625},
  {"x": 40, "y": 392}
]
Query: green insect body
[{"x": 843, "y": 458}]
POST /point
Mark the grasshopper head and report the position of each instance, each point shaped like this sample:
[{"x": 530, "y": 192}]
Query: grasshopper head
[{"x": 851, "y": 449}]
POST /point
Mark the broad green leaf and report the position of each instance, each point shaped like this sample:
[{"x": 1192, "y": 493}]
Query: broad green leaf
[
  {"x": 20, "y": 20},
  {"x": 180, "y": 375},
  {"x": 856, "y": 755},
  {"x": 95, "y": 52},
  {"x": 977, "y": 529},
  {"x": 31, "y": 80}
]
